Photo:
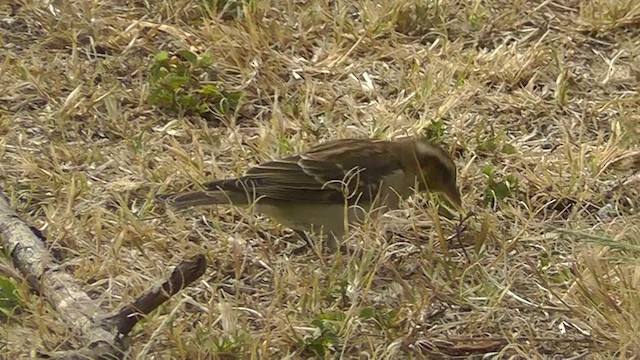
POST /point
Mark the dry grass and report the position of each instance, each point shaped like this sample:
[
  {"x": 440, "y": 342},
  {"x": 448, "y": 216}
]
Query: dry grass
[{"x": 544, "y": 95}]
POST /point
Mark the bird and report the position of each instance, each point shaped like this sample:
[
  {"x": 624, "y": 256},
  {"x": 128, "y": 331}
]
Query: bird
[{"x": 333, "y": 184}]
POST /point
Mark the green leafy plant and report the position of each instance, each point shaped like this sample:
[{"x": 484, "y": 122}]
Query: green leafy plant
[
  {"x": 476, "y": 17},
  {"x": 495, "y": 143},
  {"x": 325, "y": 339},
  {"x": 384, "y": 319},
  {"x": 339, "y": 291},
  {"x": 9, "y": 299},
  {"x": 228, "y": 345},
  {"x": 497, "y": 189},
  {"x": 186, "y": 83},
  {"x": 434, "y": 131}
]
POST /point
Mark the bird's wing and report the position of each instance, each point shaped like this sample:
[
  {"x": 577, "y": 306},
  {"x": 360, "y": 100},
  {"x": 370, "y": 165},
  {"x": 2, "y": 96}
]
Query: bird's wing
[{"x": 326, "y": 173}]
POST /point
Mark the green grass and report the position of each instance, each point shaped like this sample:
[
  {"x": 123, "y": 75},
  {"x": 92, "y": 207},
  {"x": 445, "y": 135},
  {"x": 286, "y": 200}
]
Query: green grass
[{"x": 105, "y": 103}]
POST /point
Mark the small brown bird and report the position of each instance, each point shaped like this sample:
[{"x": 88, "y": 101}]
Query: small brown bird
[{"x": 349, "y": 179}]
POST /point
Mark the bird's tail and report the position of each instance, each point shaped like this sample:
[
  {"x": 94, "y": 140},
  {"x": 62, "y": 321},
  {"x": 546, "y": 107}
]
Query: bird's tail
[{"x": 197, "y": 198}]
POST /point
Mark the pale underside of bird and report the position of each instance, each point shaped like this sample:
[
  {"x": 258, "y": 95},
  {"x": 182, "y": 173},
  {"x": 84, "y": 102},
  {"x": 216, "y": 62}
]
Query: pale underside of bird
[{"x": 334, "y": 184}]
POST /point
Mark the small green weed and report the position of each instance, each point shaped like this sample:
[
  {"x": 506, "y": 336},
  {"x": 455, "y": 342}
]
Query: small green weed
[
  {"x": 326, "y": 336},
  {"x": 187, "y": 84},
  {"x": 9, "y": 299},
  {"x": 497, "y": 189}
]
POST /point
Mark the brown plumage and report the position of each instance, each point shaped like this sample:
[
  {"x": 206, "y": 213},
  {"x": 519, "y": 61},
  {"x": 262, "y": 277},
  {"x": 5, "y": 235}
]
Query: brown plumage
[{"x": 308, "y": 191}]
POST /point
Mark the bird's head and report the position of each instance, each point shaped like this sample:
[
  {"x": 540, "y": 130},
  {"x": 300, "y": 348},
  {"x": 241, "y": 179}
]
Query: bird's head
[{"x": 437, "y": 172}]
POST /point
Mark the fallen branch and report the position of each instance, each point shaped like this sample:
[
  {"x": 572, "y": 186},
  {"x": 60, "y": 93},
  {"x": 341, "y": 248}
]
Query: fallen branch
[
  {"x": 102, "y": 333},
  {"x": 183, "y": 275}
]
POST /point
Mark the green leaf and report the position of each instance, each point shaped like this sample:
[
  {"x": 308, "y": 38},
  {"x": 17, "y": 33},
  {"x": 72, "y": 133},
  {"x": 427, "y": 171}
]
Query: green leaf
[
  {"x": 488, "y": 196},
  {"x": 367, "y": 313},
  {"x": 508, "y": 149},
  {"x": 162, "y": 56},
  {"x": 203, "y": 108},
  {"x": 205, "y": 61},
  {"x": 435, "y": 130},
  {"x": 488, "y": 170},
  {"x": 188, "y": 56},
  {"x": 233, "y": 96},
  {"x": 187, "y": 101},
  {"x": 318, "y": 323},
  {"x": 501, "y": 190},
  {"x": 176, "y": 81},
  {"x": 333, "y": 316},
  {"x": 489, "y": 145},
  {"x": 9, "y": 299},
  {"x": 160, "y": 97},
  {"x": 209, "y": 89}
]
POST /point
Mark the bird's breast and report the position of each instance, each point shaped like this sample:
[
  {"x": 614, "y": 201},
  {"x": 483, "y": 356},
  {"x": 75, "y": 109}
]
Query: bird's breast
[
  {"x": 396, "y": 186},
  {"x": 305, "y": 216},
  {"x": 310, "y": 216}
]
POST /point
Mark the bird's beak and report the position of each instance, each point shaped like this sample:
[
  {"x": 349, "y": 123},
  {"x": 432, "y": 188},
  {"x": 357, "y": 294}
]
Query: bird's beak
[{"x": 453, "y": 194}]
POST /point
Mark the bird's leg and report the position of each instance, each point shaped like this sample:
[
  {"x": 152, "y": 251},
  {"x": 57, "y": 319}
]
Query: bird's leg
[
  {"x": 307, "y": 240},
  {"x": 460, "y": 228},
  {"x": 330, "y": 240},
  {"x": 332, "y": 243}
]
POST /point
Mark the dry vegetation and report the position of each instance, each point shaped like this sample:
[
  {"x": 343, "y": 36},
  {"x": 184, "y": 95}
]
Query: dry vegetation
[{"x": 537, "y": 99}]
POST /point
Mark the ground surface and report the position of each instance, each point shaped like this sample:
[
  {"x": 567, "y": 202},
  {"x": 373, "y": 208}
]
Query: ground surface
[{"x": 538, "y": 101}]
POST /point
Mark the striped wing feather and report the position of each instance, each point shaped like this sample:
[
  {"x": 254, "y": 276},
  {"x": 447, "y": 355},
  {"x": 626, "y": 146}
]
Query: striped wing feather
[{"x": 323, "y": 174}]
